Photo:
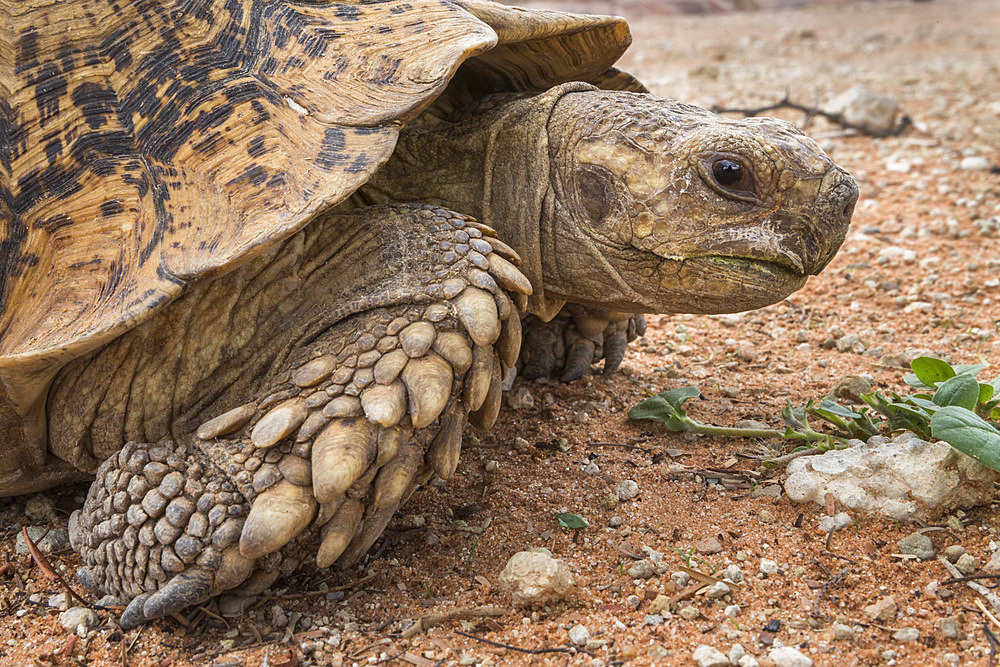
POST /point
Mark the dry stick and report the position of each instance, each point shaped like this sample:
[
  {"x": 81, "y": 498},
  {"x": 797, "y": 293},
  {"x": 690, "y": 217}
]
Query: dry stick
[
  {"x": 990, "y": 596},
  {"x": 312, "y": 594},
  {"x": 982, "y": 607},
  {"x": 46, "y": 568},
  {"x": 532, "y": 651},
  {"x": 992, "y": 640},
  {"x": 836, "y": 579},
  {"x": 432, "y": 620},
  {"x": 785, "y": 103}
]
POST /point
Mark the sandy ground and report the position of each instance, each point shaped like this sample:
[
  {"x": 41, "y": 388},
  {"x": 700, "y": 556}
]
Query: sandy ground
[{"x": 918, "y": 271}]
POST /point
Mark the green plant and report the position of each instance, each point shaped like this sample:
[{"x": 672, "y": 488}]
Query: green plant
[
  {"x": 950, "y": 404},
  {"x": 569, "y": 521}
]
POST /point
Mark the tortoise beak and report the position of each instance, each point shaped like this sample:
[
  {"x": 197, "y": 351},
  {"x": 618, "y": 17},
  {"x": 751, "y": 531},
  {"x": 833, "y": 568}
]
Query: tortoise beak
[{"x": 815, "y": 234}]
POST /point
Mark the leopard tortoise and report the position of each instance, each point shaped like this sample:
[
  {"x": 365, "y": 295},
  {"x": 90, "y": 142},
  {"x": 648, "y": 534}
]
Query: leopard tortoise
[{"x": 263, "y": 259}]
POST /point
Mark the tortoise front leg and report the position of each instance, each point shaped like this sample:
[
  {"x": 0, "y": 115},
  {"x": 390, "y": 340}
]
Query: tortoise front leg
[{"x": 351, "y": 420}]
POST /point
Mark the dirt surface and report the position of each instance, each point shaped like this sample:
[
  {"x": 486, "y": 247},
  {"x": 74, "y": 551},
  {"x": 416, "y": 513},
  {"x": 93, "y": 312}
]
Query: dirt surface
[{"x": 919, "y": 271}]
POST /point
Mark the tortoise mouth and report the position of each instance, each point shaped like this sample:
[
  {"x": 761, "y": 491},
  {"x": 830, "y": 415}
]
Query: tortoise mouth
[{"x": 781, "y": 269}]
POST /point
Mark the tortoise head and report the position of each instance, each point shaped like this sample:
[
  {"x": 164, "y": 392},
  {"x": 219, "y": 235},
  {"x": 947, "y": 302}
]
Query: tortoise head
[{"x": 663, "y": 207}]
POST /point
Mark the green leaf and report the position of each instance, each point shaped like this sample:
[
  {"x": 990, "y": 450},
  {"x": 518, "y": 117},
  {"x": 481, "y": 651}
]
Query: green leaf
[
  {"x": 931, "y": 371},
  {"x": 913, "y": 381},
  {"x": 658, "y": 409},
  {"x": 839, "y": 410},
  {"x": 969, "y": 369},
  {"x": 677, "y": 397},
  {"x": 968, "y": 433},
  {"x": 961, "y": 390},
  {"x": 986, "y": 392},
  {"x": 571, "y": 521}
]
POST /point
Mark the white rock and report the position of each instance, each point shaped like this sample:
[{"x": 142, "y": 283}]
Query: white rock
[
  {"x": 579, "y": 634},
  {"x": 864, "y": 109},
  {"x": 835, "y": 522},
  {"x": 904, "y": 479},
  {"x": 79, "y": 620},
  {"x": 709, "y": 656},
  {"x": 768, "y": 566},
  {"x": 786, "y": 656},
  {"x": 748, "y": 661},
  {"x": 975, "y": 163},
  {"x": 736, "y": 653},
  {"x": 718, "y": 590},
  {"x": 626, "y": 490},
  {"x": 535, "y": 578},
  {"x": 843, "y": 631}
]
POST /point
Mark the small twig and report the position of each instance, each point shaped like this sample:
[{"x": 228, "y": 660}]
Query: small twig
[
  {"x": 532, "y": 651},
  {"x": 312, "y": 594},
  {"x": 618, "y": 444},
  {"x": 990, "y": 596},
  {"x": 986, "y": 612},
  {"x": 46, "y": 568},
  {"x": 810, "y": 112},
  {"x": 836, "y": 579},
  {"x": 432, "y": 620},
  {"x": 992, "y": 640},
  {"x": 958, "y": 580}
]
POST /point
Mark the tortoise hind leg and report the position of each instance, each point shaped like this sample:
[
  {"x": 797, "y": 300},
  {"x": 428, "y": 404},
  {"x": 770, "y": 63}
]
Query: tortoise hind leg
[{"x": 161, "y": 527}]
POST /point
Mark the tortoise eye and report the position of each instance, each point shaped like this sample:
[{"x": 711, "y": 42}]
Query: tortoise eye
[{"x": 732, "y": 175}]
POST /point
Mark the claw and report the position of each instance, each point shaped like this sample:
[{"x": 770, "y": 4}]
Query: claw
[
  {"x": 541, "y": 365},
  {"x": 455, "y": 349},
  {"x": 486, "y": 416},
  {"x": 428, "y": 384},
  {"x": 389, "y": 442},
  {"x": 417, "y": 338},
  {"x": 477, "y": 383},
  {"x": 639, "y": 320},
  {"x": 185, "y": 589},
  {"x": 442, "y": 456},
  {"x": 277, "y": 515},
  {"x": 133, "y": 616},
  {"x": 227, "y": 422},
  {"x": 503, "y": 250},
  {"x": 509, "y": 343},
  {"x": 478, "y": 314},
  {"x": 384, "y": 404},
  {"x": 279, "y": 423},
  {"x": 579, "y": 357},
  {"x": 393, "y": 481},
  {"x": 507, "y": 275},
  {"x": 614, "y": 351},
  {"x": 338, "y": 532},
  {"x": 340, "y": 455},
  {"x": 391, "y": 365}
]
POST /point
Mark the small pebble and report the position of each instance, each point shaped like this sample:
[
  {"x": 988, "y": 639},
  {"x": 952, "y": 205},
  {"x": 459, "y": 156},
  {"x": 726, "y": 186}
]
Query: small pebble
[
  {"x": 626, "y": 490},
  {"x": 718, "y": 590},
  {"x": 680, "y": 578},
  {"x": 709, "y": 656},
  {"x": 906, "y": 635},
  {"x": 79, "y": 620},
  {"x": 954, "y": 552},
  {"x": 642, "y": 569},
  {"x": 916, "y": 544},
  {"x": 843, "y": 631},
  {"x": 949, "y": 627},
  {"x": 733, "y": 573},
  {"x": 768, "y": 566},
  {"x": 708, "y": 546},
  {"x": 786, "y": 656},
  {"x": 689, "y": 613},
  {"x": 579, "y": 634},
  {"x": 966, "y": 564},
  {"x": 836, "y": 522},
  {"x": 765, "y": 517},
  {"x": 615, "y": 521},
  {"x": 732, "y": 611},
  {"x": 883, "y": 610}
]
